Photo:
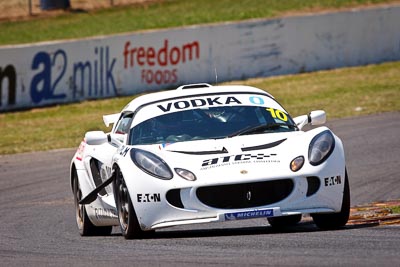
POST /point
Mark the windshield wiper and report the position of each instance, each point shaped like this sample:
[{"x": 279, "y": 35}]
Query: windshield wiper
[{"x": 261, "y": 128}]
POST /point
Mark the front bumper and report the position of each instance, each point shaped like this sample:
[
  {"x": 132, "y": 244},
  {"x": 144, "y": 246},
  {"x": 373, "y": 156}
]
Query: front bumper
[
  {"x": 164, "y": 206},
  {"x": 239, "y": 215}
]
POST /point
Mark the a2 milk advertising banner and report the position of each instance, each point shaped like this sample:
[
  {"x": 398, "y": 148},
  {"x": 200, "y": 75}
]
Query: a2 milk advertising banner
[
  {"x": 60, "y": 72},
  {"x": 49, "y": 73}
]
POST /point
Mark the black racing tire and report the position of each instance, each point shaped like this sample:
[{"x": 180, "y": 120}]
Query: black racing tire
[
  {"x": 85, "y": 226},
  {"x": 333, "y": 221},
  {"x": 128, "y": 221},
  {"x": 284, "y": 221}
]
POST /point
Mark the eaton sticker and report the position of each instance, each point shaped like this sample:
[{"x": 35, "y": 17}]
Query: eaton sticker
[{"x": 249, "y": 214}]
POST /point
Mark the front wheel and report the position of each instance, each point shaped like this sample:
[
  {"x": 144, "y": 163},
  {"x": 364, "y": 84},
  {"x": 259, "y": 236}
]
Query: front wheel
[
  {"x": 126, "y": 214},
  {"x": 336, "y": 220},
  {"x": 85, "y": 226}
]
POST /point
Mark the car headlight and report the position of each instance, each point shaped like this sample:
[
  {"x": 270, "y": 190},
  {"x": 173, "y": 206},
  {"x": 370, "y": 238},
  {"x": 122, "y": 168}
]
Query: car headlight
[
  {"x": 151, "y": 164},
  {"x": 321, "y": 147},
  {"x": 185, "y": 174},
  {"x": 297, "y": 163}
]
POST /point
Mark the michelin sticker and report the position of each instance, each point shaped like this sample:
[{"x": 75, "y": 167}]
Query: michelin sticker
[{"x": 249, "y": 214}]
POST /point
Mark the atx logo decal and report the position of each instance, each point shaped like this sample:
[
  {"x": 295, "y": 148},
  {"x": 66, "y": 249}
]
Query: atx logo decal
[
  {"x": 238, "y": 159},
  {"x": 233, "y": 158},
  {"x": 334, "y": 180}
]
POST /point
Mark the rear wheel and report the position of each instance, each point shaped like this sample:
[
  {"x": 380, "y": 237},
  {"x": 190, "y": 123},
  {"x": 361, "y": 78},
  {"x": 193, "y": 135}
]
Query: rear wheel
[
  {"x": 335, "y": 220},
  {"x": 284, "y": 221},
  {"x": 85, "y": 226},
  {"x": 126, "y": 214}
]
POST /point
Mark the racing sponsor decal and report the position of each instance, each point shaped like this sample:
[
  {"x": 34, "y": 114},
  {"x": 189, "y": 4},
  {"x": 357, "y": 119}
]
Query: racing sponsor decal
[
  {"x": 199, "y": 102},
  {"x": 277, "y": 114},
  {"x": 105, "y": 213},
  {"x": 164, "y": 145},
  {"x": 238, "y": 159},
  {"x": 218, "y": 100},
  {"x": 154, "y": 197},
  {"x": 124, "y": 150},
  {"x": 249, "y": 214},
  {"x": 81, "y": 149},
  {"x": 334, "y": 180}
]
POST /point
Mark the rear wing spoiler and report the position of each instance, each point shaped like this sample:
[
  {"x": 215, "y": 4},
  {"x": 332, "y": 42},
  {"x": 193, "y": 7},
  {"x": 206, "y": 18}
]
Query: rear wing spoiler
[{"x": 110, "y": 119}]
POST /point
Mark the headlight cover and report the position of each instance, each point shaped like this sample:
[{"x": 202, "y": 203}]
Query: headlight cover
[
  {"x": 297, "y": 163},
  {"x": 321, "y": 147},
  {"x": 185, "y": 174},
  {"x": 151, "y": 164}
]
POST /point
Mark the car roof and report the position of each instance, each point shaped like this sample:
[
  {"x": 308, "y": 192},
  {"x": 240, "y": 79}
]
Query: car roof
[{"x": 189, "y": 90}]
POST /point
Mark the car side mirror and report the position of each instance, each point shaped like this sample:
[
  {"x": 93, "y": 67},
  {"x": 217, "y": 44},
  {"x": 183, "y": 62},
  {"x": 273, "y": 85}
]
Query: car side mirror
[
  {"x": 318, "y": 117},
  {"x": 117, "y": 139},
  {"x": 315, "y": 117},
  {"x": 95, "y": 138}
]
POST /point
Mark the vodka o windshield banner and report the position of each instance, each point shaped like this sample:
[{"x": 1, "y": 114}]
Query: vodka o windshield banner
[{"x": 49, "y": 73}]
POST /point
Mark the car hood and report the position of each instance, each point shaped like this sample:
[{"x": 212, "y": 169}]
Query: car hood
[{"x": 253, "y": 155}]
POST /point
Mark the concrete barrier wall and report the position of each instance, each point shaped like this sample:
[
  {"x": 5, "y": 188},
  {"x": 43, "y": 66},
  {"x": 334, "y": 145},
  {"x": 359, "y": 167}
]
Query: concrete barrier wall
[{"x": 59, "y": 72}]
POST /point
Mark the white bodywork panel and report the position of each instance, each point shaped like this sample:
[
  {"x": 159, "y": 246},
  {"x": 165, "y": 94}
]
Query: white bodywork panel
[{"x": 251, "y": 159}]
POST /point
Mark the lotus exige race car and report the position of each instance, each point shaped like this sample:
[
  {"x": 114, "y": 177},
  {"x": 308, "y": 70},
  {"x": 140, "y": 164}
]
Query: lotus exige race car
[{"x": 205, "y": 153}]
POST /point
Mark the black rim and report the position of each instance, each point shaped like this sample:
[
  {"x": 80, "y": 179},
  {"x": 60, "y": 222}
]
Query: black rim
[
  {"x": 123, "y": 203},
  {"x": 78, "y": 207}
]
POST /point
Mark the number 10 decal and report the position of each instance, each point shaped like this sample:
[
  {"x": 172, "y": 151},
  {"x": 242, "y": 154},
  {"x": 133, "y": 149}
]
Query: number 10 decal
[{"x": 275, "y": 113}]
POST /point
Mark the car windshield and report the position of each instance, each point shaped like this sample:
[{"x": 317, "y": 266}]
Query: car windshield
[{"x": 210, "y": 123}]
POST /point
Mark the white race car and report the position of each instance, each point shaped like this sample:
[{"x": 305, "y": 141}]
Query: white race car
[{"x": 205, "y": 153}]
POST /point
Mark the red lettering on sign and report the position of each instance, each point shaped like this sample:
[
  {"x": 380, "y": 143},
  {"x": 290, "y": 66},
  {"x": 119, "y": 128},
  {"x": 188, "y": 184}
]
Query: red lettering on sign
[
  {"x": 159, "y": 76},
  {"x": 164, "y": 56}
]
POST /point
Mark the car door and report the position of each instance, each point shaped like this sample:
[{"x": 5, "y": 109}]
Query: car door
[{"x": 101, "y": 159}]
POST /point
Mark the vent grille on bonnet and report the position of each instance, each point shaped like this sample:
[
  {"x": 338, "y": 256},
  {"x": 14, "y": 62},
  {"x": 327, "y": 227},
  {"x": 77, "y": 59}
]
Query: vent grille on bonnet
[
  {"x": 265, "y": 146},
  {"x": 194, "y": 86}
]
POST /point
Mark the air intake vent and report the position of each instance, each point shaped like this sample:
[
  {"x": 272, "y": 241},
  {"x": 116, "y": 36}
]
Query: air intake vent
[
  {"x": 248, "y": 195},
  {"x": 174, "y": 198},
  {"x": 313, "y": 185},
  {"x": 194, "y": 86}
]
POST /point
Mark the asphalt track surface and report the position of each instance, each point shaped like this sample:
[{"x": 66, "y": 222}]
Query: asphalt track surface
[{"x": 37, "y": 221}]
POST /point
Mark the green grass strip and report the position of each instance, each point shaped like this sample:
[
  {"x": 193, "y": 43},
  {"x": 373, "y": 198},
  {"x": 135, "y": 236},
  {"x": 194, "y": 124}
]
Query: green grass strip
[
  {"x": 395, "y": 209},
  {"x": 160, "y": 14},
  {"x": 341, "y": 93}
]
